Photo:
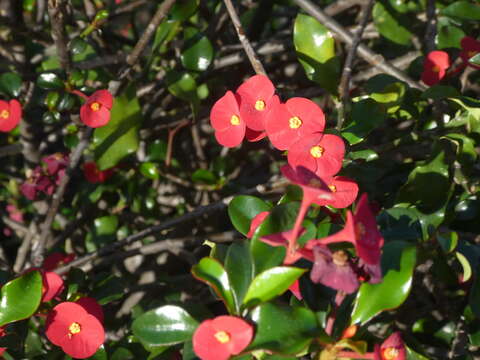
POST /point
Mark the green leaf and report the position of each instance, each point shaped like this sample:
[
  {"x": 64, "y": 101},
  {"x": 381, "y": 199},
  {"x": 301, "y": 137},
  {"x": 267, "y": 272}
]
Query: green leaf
[
  {"x": 107, "y": 288},
  {"x": 149, "y": 170},
  {"x": 183, "y": 86},
  {"x": 283, "y": 329},
  {"x": 398, "y": 263},
  {"x": 50, "y": 81},
  {"x": 448, "y": 241},
  {"x": 213, "y": 273},
  {"x": 463, "y": 10},
  {"x": 399, "y": 223},
  {"x": 204, "y": 176},
  {"x": 366, "y": 115},
  {"x": 11, "y": 84},
  {"x": 437, "y": 92},
  {"x": 467, "y": 268},
  {"x": 448, "y": 35},
  {"x": 20, "y": 297},
  {"x": 165, "y": 326},
  {"x": 475, "y": 60},
  {"x": 183, "y": 9},
  {"x": 270, "y": 284},
  {"x": 197, "y": 53},
  {"x": 165, "y": 33},
  {"x": 392, "y": 25},
  {"x": 119, "y": 138},
  {"x": 239, "y": 266},
  {"x": 242, "y": 209},
  {"x": 315, "y": 49}
]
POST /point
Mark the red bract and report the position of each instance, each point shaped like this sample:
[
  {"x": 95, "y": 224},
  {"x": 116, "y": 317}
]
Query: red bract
[
  {"x": 226, "y": 120},
  {"x": 292, "y": 121},
  {"x": 254, "y": 136},
  {"x": 321, "y": 153},
  {"x": 344, "y": 191},
  {"x": 470, "y": 48},
  {"x": 92, "y": 307},
  {"x": 10, "y": 114},
  {"x": 361, "y": 230},
  {"x": 77, "y": 332},
  {"x": 52, "y": 285},
  {"x": 94, "y": 175},
  {"x": 96, "y": 110},
  {"x": 393, "y": 348},
  {"x": 435, "y": 67},
  {"x": 57, "y": 259},
  {"x": 257, "y": 99},
  {"x": 282, "y": 239},
  {"x": 222, "y": 337},
  {"x": 256, "y": 221}
]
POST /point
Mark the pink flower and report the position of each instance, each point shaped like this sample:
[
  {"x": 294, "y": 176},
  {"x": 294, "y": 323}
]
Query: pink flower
[
  {"x": 225, "y": 118},
  {"x": 77, "y": 332},
  {"x": 222, "y": 337},
  {"x": 10, "y": 114},
  {"x": 435, "y": 67},
  {"x": 344, "y": 191},
  {"x": 52, "y": 285},
  {"x": 393, "y": 348},
  {"x": 96, "y": 110},
  {"x": 292, "y": 121},
  {"x": 321, "y": 153},
  {"x": 256, "y": 100}
]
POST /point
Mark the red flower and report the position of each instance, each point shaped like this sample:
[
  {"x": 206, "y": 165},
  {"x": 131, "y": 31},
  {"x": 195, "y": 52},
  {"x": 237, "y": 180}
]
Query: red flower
[
  {"x": 254, "y": 136},
  {"x": 92, "y": 307},
  {"x": 393, "y": 348},
  {"x": 318, "y": 152},
  {"x": 10, "y": 114},
  {"x": 292, "y": 121},
  {"x": 94, "y": 175},
  {"x": 56, "y": 259},
  {"x": 226, "y": 120},
  {"x": 219, "y": 338},
  {"x": 52, "y": 285},
  {"x": 435, "y": 67},
  {"x": 344, "y": 191},
  {"x": 470, "y": 48},
  {"x": 96, "y": 110},
  {"x": 77, "y": 332},
  {"x": 361, "y": 230},
  {"x": 256, "y": 101}
]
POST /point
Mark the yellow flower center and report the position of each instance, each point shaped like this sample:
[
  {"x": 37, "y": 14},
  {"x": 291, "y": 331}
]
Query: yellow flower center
[
  {"x": 4, "y": 114},
  {"x": 294, "y": 122},
  {"x": 235, "y": 120},
  {"x": 333, "y": 188},
  {"x": 340, "y": 258},
  {"x": 95, "y": 106},
  {"x": 317, "y": 151},
  {"x": 222, "y": 337},
  {"x": 260, "y": 105},
  {"x": 389, "y": 353},
  {"x": 74, "y": 328},
  {"x": 436, "y": 69}
]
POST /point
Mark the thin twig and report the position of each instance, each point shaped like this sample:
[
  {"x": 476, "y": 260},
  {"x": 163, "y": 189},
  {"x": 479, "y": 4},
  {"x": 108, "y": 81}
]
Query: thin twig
[
  {"x": 57, "y": 13},
  {"x": 344, "y": 87},
  {"x": 198, "y": 212},
  {"x": 364, "y": 51},
  {"x": 38, "y": 249},
  {"x": 257, "y": 65},
  {"x": 431, "y": 30}
]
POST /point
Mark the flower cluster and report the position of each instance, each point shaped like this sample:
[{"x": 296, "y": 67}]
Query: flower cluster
[
  {"x": 437, "y": 63},
  {"x": 45, "y": 178},
  {"x": 10, "y": 114}
]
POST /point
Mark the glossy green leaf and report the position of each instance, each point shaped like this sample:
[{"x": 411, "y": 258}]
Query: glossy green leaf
[
  {"x": 315, "y": 48},
  {"x": 107, "y": 288},
  {"x": 281, "y": 218},
  {"x": 282, "y": 329},
  {"x": 166, "y": 325},
  {"x": 242, "y": 209},
  {"x": 11, "y": 84},
  {"x": 20, "y": 297},
  {"x": 400, "y": 223},
  {"x": 448, "y": 35},
  {"x": 394, "y": 26},
  {"x": 413, "y": 355},
  {"x": 164, "y": 34},
  {"x": 119, "y": 138},
  {"x": 398, "y": 263},
  {"x": 149, "y": 170},
  {"x": 448, "y": 241},
  {"x": 182, "y": 85},
  {"x": 366, "y": 115},
  {"x": 239, "y": 266},
  {"x": 437, "y": 92},
  {"x": 101, "y": 354},
  {"x": 270, "y": 284},
  {"x": 463, "y": 10},
  {"x": 50, "y": 81},
  {"x": 78, "y": 45},
  {"x": 183, "y": 9},
  {"x": 204, "y": 176},
  {"x": 213, "y": 273},
  {"x": 467, "y": 268},
  {"x": 197, "y": 52}
]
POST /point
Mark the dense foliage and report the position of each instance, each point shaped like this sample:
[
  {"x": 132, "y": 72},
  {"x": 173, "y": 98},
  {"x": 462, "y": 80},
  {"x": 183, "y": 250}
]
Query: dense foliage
[{"x": 274, "y": 179}]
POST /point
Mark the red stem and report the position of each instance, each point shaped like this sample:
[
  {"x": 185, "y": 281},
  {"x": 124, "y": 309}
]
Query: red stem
[{"x": 292, "y": 242}]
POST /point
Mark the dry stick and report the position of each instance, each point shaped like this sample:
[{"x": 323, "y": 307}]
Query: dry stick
[
  {"x": 57, "y": 12},
  {"x": 344, "y": 87},
  {"x": 431, "y": 30},
  {"x": 364, "y": 51},
  {"x": 257, "y": 65},
  {"x": 198, "y": 212}
]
